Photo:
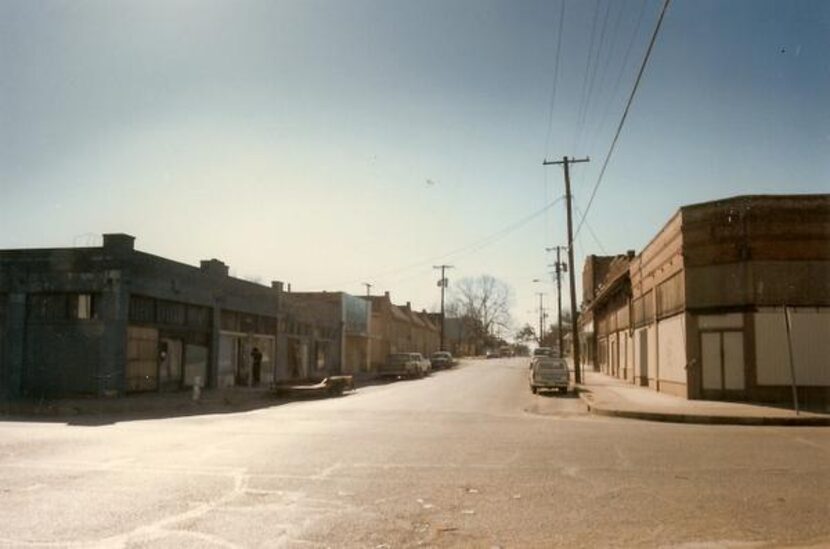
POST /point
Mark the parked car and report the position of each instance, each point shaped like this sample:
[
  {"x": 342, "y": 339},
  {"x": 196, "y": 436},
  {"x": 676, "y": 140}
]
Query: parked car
[
  {"x": 424, "y": 365},
  {"x": 441, "y": 360},
  {"x": 549, "y": 373},
  {"x": 403, "y": 365},
  {"x": 492, "y": 354}
]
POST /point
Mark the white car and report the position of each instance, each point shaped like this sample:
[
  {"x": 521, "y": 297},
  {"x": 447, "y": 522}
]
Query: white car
[
  {"x": 424, "y": 365},
  {"x": 405, "y": 365},
  {"x": 549, "y": 373}
]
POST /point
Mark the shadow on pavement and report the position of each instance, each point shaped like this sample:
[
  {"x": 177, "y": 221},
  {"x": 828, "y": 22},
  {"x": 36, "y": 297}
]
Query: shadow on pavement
[
  {"x": 555, "y": 394},
  {"x": 98, "y": 412}
]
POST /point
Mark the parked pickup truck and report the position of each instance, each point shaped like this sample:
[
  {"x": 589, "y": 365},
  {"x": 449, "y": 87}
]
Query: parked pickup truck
[
  {"x": 549, "y": 373},
  {"x": 404, "y": 365}
]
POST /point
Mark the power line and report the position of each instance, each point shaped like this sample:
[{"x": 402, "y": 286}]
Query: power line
[
  {"x": 625, "y": 112},
  {"x": 620, "y": 72},
  {"x": 592, "y": 79},
  {"x": 473, "y": 247},
  {"x": 590, "y": 229},
  {"x": 587, "y": 69},
  {"x": 555, "y": 73}
]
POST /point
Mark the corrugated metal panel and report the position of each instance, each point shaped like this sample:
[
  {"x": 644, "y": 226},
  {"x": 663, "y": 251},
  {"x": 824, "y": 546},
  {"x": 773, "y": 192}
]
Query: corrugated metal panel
[
  {"x": 142, "y": 359},
  {"x": 810, "y": 341},
  {"x": 670, "y": 298},
  {"x": 672, "y": 349},
  {"x": 733, "y": 360},
  {"x": 710, "y": 357}
]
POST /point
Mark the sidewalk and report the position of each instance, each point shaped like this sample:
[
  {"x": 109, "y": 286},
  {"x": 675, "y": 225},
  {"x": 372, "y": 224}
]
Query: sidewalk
[
  {"x": 140, "y": 406},
  {"x": 609, "y": 396}
]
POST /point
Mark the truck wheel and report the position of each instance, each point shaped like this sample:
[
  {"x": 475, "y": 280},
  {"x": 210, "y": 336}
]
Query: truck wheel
[{"x": 533, "y": 390}]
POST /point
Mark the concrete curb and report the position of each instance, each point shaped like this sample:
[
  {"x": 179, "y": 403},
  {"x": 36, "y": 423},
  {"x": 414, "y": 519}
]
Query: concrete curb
[{"x": 702, "y": 419}]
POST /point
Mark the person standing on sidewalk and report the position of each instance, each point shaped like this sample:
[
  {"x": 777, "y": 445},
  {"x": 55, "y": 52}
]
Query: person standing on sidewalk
[{"x": 256, "y": 365}]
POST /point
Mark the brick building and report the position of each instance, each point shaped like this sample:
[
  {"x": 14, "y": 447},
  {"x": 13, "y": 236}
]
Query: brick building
[{"x": 701, "y": 311}]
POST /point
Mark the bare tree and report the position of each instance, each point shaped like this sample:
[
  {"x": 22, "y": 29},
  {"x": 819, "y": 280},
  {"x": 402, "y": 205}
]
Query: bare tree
[
  {"x": 527, "y": 333},
  {"x": 484, "y": 302}
]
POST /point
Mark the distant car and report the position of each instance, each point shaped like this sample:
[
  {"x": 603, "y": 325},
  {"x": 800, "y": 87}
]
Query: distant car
[
  {"x": 441, "y": 360},
  {"x": 549, "y": 373},
  {"x": 492, "y": 354},
  {"x": 403, "y": 365},
  {"x": 505, "y": 352},
  {"x": 540, "y": 352}
]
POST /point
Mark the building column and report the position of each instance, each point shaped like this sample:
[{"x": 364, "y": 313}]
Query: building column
[
  {"x": 13, "y": 346},
  {"x": 113, "y": 311},
  {"x": 212, "y": 380}
]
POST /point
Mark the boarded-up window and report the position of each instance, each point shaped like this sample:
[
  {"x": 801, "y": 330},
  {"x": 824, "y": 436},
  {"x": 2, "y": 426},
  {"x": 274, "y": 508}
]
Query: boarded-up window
[
  {"x": 670, "y": 296},
  {"x": 622, "y": 317},
  {"x": 142, "y": 359},
  {"x": 198, "y": 317},
  {"x": 142, "y": 309},
  {"x": 47, "y": 307},
  {"x": 195, "y": 365},
  {"x": 639, "y": 312},
  {"x": 170, "y": 312},
  {"x": 230, "y": 321},
  {"x": 602, "y": 326},
  {"x": 648, "y": 307}
]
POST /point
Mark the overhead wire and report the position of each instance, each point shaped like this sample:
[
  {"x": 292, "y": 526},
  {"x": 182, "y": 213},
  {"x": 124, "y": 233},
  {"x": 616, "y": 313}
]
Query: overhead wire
[
  {"x": 625, "y": 113},
  {"x": 594, "y": 66},
  {"x": 552, "y": 105},
  {"x": 620, "y": 72},
  {"x": 555, "y": 73},
  {"x": 590, "y": 230},
  {"x": 469, "y": 248},
  {"x": 587, "y": 67}
]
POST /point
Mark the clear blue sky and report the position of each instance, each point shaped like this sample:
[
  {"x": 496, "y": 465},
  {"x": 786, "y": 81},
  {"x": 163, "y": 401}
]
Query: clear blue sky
[{"x": 327, "y": 143}]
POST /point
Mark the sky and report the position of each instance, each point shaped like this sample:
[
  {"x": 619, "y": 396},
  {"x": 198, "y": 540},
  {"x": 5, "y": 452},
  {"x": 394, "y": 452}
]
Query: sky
[{"x": 329, "y": 143}]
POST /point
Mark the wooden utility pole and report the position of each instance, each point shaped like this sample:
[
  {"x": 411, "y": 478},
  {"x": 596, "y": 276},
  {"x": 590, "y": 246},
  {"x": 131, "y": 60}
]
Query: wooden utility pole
[
  {"x": 443, "y": 285},
  {"x": 566, "y": 162},
  {"x": 541, "y": 317},
  {"x": 558, "y": 268}
]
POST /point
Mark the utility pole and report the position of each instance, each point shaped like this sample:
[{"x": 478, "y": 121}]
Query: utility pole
[
  {"x": 443, "y": 285},
  {"x": 368, "y": 289},
  {"x": 574, "y": 310},
  {"x": 558, "y": 268},
  {"x": 541, "y": 317}
]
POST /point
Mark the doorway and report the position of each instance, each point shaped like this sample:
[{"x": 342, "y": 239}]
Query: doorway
[{"x": 722, "y": 358}]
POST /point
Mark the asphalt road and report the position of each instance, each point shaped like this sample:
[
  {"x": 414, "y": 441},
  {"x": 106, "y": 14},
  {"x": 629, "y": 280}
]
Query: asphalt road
[{"x": 466, "y": 457}]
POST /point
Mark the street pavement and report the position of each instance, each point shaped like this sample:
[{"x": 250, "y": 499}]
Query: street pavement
[{"x": 463, "y": 458}]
